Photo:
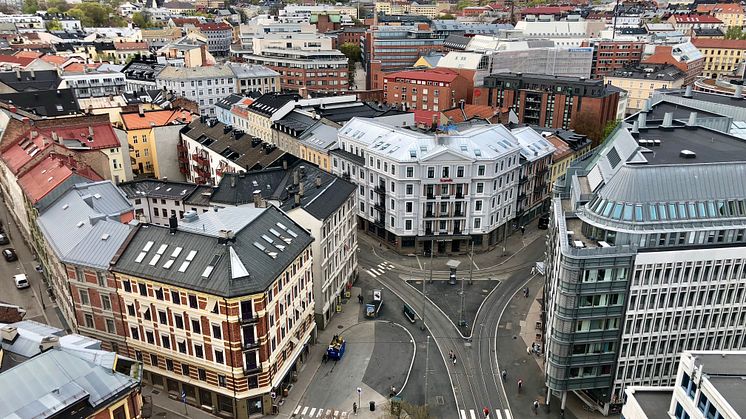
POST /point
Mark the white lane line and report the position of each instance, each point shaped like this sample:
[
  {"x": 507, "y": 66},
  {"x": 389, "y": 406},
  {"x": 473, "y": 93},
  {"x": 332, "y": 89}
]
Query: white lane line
[
  {"x": 463, "y": 414},
  {"x": 507, "y": 414},
  {"x": 321, "y": 412},
  {"x": 418, "y": 262},
  {"x": 297, "y": 409},
  {"x": 475, "y": 264},
  {"x": 499, "y": 415},
  {"x": 473, "y": 416},
  {"x": 305, "y": 409},
  {"x": 370, "y": 272},
  {"x": 313, "y": 410}
]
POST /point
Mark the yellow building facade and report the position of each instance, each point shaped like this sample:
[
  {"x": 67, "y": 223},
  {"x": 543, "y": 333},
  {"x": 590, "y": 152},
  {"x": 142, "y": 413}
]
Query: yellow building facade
[
  {"x": 723, "y": 57},
  {"x": 142, "y": 128}
]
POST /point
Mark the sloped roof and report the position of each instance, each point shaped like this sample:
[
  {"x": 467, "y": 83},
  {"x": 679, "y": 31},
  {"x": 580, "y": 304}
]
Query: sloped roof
[
  {"x": 50, "y": 173},
  {"x": 150, "y": 119},
  {"x": 442, "y": 75}
]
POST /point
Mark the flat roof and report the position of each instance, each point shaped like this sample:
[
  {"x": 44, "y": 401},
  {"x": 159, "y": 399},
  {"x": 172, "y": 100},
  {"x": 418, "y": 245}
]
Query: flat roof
[
  {"x": 654, "y": 403},
  {"x": 709, "y": 145}
]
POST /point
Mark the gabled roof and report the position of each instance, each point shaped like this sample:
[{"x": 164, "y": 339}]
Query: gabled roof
[
  {"x": 49, "y": 103},
  {"x": 719, "y": 43},
  {"x": 696, "y": 19},
  {"x": 50, "y": 173},
  {"x": 269, "y": 103},
  {"x": 442, "y": 75},
  {"x": 265, "y": 242},
  {"x": 26, "y": 81},
  {"x": 151, "y": 119},
  {"x": 130, "y": 46}
]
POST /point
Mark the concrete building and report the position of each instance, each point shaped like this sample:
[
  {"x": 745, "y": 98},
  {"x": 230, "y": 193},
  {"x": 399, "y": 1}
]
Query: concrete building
[
  {"x": 255, "y": 78},
  {"x": 723, "y": 58},
  {"x": 139, "y": 75},
  {"x": 391, "y": 48},
  {"x": 568, "y": 147},
  {"x": 155, "y": 200},
  {"x": 94, "y": 83},
  {"x": 306, "y": 11},
  {"x": 640, "y": 82},
  {"x": 643, "y": 260},
  {"x": 219, "y": 37},
  {"x": 46, "y": 373},
  {"x": 422, "y": 193},
  {"x": 428, "y": 90},
  {"x": 687, "y": 23},
  {"x": 707, "y": 385},
  {"x": 24, "y": 22},
  {"x": 685, "y": 56},
  {"x": 152, "y": 137},
  {"x": 324, "y": 204},
  {"x": 551, "y": 101},
  {"x": 234, "y": 324},
  {"x": 611, "y": 55},
  {"x": 202, "y": 85},
  {"x": 533, "y": 185}
]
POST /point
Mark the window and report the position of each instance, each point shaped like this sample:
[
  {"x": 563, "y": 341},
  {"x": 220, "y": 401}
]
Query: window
[
  {"x": 175, "y": 298},
  {"x": 219, "y": 356},
  {"x": 446, "y": 173},
  {"x": 134, "y": 333},
  {"x": 477, "y": 223},
  {"x": 178, "y": 321},
  {"x": 199, "y": 351},
  {"x": 216, "y": 331},
  {"x": 196, "y": 326},
  {"x": 159, "y": 293},
  {"x": 410, "y": 171},
  {"x": 185, "y": 369},
  {"x": 408, "y": 207},
  {"x": 89, "y": 320},
  {"x": 110, "y": 328},
  {"x": 166, "y": 341},
  {"x": 480, "y": 187},
  {"x": 193, "y": 301},
  {"x": 408, "y": 225},
  {"x": 127, "y": 286},
  {"x": 460, "y": 171},
  {"x": 105, "y": 302},
  {"x": 221, "y": 382},
  {"x": 430, "y": 172},
  {"x": 84, "y": 297},
  {"x": 480, "y": 170},
  {"x": 169, "y": 365},
  {"x": 154, "y": 360},
  {"x": 477, "y": 205},
  {"x": 143, "y": 289},
  {"x": 409, "y": 189},
  {"x": 162, "y": 318}
]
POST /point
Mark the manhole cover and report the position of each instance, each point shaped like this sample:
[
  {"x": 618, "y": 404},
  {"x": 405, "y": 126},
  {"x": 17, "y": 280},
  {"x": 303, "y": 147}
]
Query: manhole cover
[
  {"x": 340, "y": 327},
  {"x": 440, "y": 400}
]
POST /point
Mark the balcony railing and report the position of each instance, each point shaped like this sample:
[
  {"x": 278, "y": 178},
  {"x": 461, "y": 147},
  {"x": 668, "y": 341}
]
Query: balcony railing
[
  {"x": 428, "y": 232},
  {"x": 380, "y": 222},
  {"x": 523, "y": 180},
  {"x": 430, "y": 196},
  {"x": 429, "y": 214},
  {"x": 459, "y": 213},
  {"x": 249, "y": 318},
  {"x": 379, "y": 207},
  {"x": 380, "y": 190},
  {"x": 250, "y": 344}
]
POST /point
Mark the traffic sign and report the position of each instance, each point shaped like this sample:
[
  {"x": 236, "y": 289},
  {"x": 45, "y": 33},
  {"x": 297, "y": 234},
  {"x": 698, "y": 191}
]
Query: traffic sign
[
  {"x": 183, "y": 397},
  {"x": 359, "y": 390}
]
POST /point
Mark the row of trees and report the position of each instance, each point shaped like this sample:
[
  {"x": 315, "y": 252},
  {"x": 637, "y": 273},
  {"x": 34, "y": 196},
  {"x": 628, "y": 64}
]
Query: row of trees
[{"x": 89, "y": 14}]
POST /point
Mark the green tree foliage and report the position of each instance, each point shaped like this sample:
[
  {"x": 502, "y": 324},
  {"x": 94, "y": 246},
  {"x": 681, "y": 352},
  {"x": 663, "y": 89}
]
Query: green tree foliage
[
  {"x": 54, "y": 25},
  {"x": 735, "y": 32},
  {"x": 96, "y": 15},
  {"x": 30, "y": 6},
  {"x": 351, "y": 51},
  {"x": 141, "y": 19},
  {"x": 447, "y": 16},
  {"x": 463, "y": 4},
  {"x": 589, "y": 124},
  {"x": 57, "y": 6}
]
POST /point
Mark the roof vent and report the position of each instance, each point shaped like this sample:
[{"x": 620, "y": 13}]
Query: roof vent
[
  {"x": 190, "y": 216},
  {"x": 687, "y": 154}
]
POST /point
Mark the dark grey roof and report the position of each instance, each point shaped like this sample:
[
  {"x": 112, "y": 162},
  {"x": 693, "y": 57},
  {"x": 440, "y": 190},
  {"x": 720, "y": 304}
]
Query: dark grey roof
[
  {"x": 294, "y": 123},
  {"x": 349, "y": 156},
  {"x": 403, "y": 19},
  {"x": 247, "y": 265},
  {"x": 277, "y": 185},
  {"x": 235, "y": 145},
  {"x": 574, "y": 140},
  {"x": 228, "y": 101},
  {"x": 200, "y": 196},
  {"x": 631, "y": 31},
  {"x": 51, "y": 103},
  {"x": 154, "y": 188},
  {"x": 654, "y": 403},
  {"x": 710, "y": 146},
  {"x": 578, "y": 86},
  {"x": 344, "y": 112},
  {"x": 680, "y": 112},
  {"x": 142, "y": 70},
  {"x": 26, "y": 81},
  {"x": 653, "y": 73},
  {"x": 456, "y": 41},
  {"x": 708, "y": 32},
  {"x": 268, "y": 103},
  {"x": 709, "y": 97}
]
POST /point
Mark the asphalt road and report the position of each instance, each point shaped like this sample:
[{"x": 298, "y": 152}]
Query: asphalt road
[{"x": 475, "y": 377}]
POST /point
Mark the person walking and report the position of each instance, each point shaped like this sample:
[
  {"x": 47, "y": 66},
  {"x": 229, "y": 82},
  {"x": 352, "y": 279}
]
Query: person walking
[
  {"x": 454, "y": 359},
  {"x": 520, "y": 384},
  {"x": 486, "y": 412},
  {"x": 504, "y": 375},
  {"x": 354, "y": 408},
  {"x": 450, "y": 354},
  {"x": 536, "y": 407}
]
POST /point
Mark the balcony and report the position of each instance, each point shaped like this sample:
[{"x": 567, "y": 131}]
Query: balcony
[
  {"x": 183, "y": 170},
  {"x": 542, "y": 171},
  {"x": 380, "y": 222},
  {"x": 429, "y": 214},
  {"x": 459, "y": 195},
  {"x": 380, "y": 189},
  {"x": 249, "y": 319},
  {"x": 428, "y": 231},
  {"x": 459, "y": 213},
  {"x": 252, "y": 344},
  {"x": 379, "y": 207},
  {"x": 457, "y": 231},
  {"x": 252, "y": 369},
  {"x": 430, "y": 196},
  {"x": 181, "y": 148},
  {"x": 522, "y": 196}
]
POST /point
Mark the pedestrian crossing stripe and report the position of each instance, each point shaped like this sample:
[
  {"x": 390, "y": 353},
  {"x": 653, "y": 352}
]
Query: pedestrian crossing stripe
[
  {"x": 307, "y": 412},
  {"x": 497, "y": 414}
]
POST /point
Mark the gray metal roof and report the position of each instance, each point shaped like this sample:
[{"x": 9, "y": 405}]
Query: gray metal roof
[
  {"x": 51, "y": 382},
  {"x": 248, "y": 264},
  {"x": 100, "y": 245}
]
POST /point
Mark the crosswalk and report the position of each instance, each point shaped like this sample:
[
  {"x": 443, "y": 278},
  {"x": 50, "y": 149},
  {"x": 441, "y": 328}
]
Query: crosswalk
[
  {"x": 475, "y": 414},
  {"x": 307, "y": 412},
  {"x": 380, "y": 269}
]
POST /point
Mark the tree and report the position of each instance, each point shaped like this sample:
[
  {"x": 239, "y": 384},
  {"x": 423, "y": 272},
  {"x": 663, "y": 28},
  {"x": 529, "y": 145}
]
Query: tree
[
  {"x": 351, "y": 51},
  {"x": 54, "y": 25},
  {"x": 57, "y": 6},
  {"x": 30, "y": 6},
  {"x": 609, "y": 128},
  {"x": 735, "y": 32},
  {"x": 447, "y": 16},
  {"x": 141, "y": 19},
  {"x": 8, "y": 10},
  {"x": 463, "y": 4},
  {"x": 588, "y": 124}
]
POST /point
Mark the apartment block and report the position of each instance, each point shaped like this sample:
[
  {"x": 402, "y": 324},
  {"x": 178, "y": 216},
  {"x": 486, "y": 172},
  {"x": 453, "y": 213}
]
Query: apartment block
[
  {"x": 723, "y": 58},
  {"x": 640, "y": 82},
  {"x": 202, "y": 85},
  {"x": 219, "y": 36},
  {"x": 219, "y": 306},
  {"x": 429, "y": 90},
  {"x": 609, "y": 55},
  {"x": 155, "y": 200},
  {"x": 685, "y": 56}
]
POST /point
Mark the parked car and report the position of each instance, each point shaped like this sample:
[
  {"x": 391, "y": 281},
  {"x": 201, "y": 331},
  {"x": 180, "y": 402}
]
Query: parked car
[
  {"x": 4, "y": 239},
  {"x": 21, "y": 281},
  {"x": 10, "y": 254}
]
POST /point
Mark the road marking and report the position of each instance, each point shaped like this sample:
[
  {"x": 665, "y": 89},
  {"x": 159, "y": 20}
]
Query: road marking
[
  {"x": 498, "y": 415},
  {"x": 370, "y": 272},
  {"x": 507, "y": 414},
  {"x": 463, "y": 414},
  {"x": 313, "y": 410},
  {"x": 473, "y": 416},
  {"x": 418, "y": 262},
  {"x": 336, "y": 414},
  {"x": 305, "y": 409},
  {"x": 475, "y": 264},
  {"x": 297, "y": 409},
  {"x": 321, "y": 412}
]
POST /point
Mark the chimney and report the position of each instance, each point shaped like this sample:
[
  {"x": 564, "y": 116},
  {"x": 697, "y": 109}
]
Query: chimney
[
  {"x": 90, "y": 131},
  {"x": 642, "y": 118},
  {"x": 18, "y": 73},
  {"x": 739, "y": 92},
  {"x": 302, "y": 189},
  {"x": 297, "y": 200},
  {"x": 295, "y": 177},
  {"x": 318, "y": 181},
  {"x": 692, "y": 119},
  {"x": 33, "y": 74},
  {"x": 258, "y": 199},
  {"x": 141, "y": 110},
  {"x": 233, "y": 181},
  {"x": 8, "y": 334},
  {"x": 284, "y": 165},
  {"x": 688, "y": 92},
  {"x": 49, "y": 342},
  {"x": 173, "y": 224},
  {"x": 667, "y": 120},
  {"x": 55, "y": 138},
  {"x": 635, "y": 128}
]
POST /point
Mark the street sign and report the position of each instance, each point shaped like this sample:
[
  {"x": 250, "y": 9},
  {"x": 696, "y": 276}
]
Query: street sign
[
  {"x": 183, "y": 397},
  {"x": 359, "y": 390}
]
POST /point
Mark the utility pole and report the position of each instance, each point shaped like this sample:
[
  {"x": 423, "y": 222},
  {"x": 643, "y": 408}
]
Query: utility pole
[
  {"x": 424, "y": 300},
  {"x": 427, "y": 364},
  {"x": 432, "y": 249},
  {"x": 471, "y": 267}
]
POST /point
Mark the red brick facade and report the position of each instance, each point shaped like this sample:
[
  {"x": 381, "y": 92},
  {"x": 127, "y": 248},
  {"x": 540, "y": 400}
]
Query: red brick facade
[
  {"x": 430, "y": 90},
  {"x": 613, "y": 55}
]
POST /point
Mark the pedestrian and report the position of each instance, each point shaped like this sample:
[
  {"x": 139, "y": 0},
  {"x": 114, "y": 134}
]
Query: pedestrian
[
  {"x": 533, "y": 271},
  {"x": 454, "y": 359},
  {"x": 520, "y": 384},
  {"x": 523, "y": 230},
  {"x": 505, "y": 375},
  {"x": 392, "y": 393},
  {"x": 354, "y": 408},
  {"x": 486, "y": 412},
  {"x": 324, "y": 358},
  {"x": 450, "y": 354},
  {"x": 536, "y": 407},
  {"x": 360, "y": 298}
]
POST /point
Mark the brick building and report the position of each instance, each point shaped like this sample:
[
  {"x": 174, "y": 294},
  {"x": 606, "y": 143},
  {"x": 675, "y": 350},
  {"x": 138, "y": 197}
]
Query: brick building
[
  {"x": 394, "y": 48},
  {"x": 219, "y": 306},
  {"x": 551, "y": 101},
  {"x": 611, "y": 55},
  {"x": 431, "y": 90},
  {"x": 684, "y": 56}
]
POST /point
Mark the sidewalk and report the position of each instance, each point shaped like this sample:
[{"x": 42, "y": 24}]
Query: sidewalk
[
  {"x": 482, "y": 261},
  {"x": 349, "y": 316},
  {"x": 166, "y": 407}
]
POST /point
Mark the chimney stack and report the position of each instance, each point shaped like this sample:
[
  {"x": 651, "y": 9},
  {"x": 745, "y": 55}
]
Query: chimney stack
[
  {"x": 173, "y": 224},
  {"x": 90, "y": 131},
  {"x": 284, "y": 165},
  {"x": 318, "y": 181},
  {"x": 301, "y": 189},
  {"x": 257, "y": 198},
  {"x": 18, "y": 73},
  {"x": 692, "y": 119},
  {"x": 642, "y": 118},
  {"x": 739, "y": 92},
  {"x": 635, "y": 128},
  {"x": 49, "y": 342},
  {"x": 297, "y": 200},
  {"x": 667, "y": 120},
  {"x": 295, "y": 177},
  {"x": 688, "y": 92}
]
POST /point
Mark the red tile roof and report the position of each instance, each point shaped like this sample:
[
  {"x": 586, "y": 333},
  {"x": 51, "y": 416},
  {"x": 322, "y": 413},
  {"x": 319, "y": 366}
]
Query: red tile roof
[
  {"x": 214, "y": 26},
  {"x": 696, "y": 19},
  {"x": 471, "y": 111},
  {"x": 55, "y": 59},
  {"x": 181, "y": 21},
  {"x": 12, "y": 59},
  {"x": 719, "y": 43},
  {"x": 32, "y": 142},
  {"x": 49, "y": 174},
  {"x": 561, "y": 148},
  {"x": 81, "y": 67},
  {"x": 720, "y": 8},
  {"x": 432, "y": 74},
  {"x": 28, "y": 54},
  {"x": 426, "y": 117},
  {"x": 546, "y": 10},
  {"x": 154, "y": 118},
  {"x": 130, "y": 46}
]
